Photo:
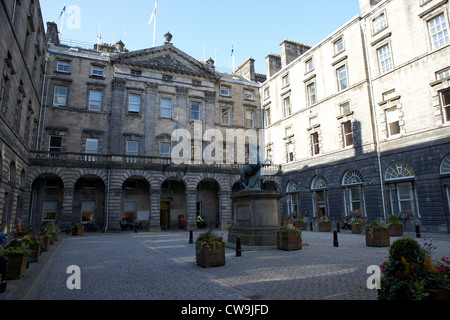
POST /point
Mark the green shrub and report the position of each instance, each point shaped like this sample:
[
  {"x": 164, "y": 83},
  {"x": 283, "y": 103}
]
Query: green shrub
[{"x": 408, "y": 248}]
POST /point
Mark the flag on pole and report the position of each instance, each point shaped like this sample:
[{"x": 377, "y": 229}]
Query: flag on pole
[
  {"x": 232, "y": 48},
  {"x": 62, "y": 12},
  {"x": 153, "y": 13}
]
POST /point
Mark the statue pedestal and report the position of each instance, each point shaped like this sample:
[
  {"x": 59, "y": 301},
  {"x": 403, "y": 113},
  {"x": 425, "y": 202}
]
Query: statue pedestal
[{"x": 256, "y": 217}]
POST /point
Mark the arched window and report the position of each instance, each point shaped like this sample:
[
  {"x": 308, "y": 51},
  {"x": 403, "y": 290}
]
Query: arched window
[
  {"x": 399, "y": 170},
  {"x": 445, "y": 165},
  {"x": 353, "y": 195},
  {"x": 402, "y": 193},
  {"x": 318, "y": 183},
  {"x": 292, "y": 199}
]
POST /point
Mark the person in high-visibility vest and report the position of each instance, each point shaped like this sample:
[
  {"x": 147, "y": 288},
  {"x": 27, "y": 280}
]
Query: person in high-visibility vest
[{"x": 199, "y": 221}]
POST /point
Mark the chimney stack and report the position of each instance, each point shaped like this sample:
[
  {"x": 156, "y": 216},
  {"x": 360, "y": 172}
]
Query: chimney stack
[{"x": 290, "y": 50}]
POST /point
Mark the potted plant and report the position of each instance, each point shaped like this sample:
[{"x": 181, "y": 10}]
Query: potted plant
[
  {"x": 357, "y": 225},
  {"x": 410, "y": 274},
  {"x": 210, "y": 250},
  {"x": 405, "y": 215},
  {"x": 395, "y": 226},
  {"x": 16, "y": 250},
  {"x": 377, "y": 234},
  {"x": 46, "y": 236},
  {"x": 324, "y": 224},
  {"x": 289, "y": 237},
  {"x": 77, "y": 228},
  {"x": 34, "y": 242}
]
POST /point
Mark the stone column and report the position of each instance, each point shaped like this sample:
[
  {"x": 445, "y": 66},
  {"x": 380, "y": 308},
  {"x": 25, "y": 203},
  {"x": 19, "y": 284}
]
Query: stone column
[
  {"x": 155, "y": 210},
  {"x": 115, "y": 209},
  {"x": 67, "y": 214},
  {"x": 225, "y": 209},
  {"x": 191, "y": 208}
]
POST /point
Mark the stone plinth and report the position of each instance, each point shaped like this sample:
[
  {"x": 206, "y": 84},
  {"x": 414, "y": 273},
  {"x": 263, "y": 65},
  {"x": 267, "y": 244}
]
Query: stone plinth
[{"x": 256, "y": 217}]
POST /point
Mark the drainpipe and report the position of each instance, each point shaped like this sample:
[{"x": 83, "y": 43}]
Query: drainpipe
[
  {"x": 107, "y": 201},
  {"x": 42, "y": 100},
  {"x": 374, "y": 117}
]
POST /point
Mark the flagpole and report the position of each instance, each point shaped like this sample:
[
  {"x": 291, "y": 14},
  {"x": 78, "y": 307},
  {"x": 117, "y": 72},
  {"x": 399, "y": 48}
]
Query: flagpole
[
  {"x": 62, "y": 21},
  {"x": 154, "y": 23}
]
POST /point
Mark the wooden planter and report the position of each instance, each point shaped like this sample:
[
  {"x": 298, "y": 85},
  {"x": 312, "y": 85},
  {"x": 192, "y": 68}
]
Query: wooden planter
[
  {"x": 356, "y": 228},
  {"x": 438, "y": 294},
  {"x": 396, "y": 230},
  {"x": 45, "y": 244},
  {"x": 17, "y": 266},
  {"x": 209, "y": 256},
  {"x": 289, "y": 241},
  {"x": 300, "y": 225},
  {"x": 377, "y": 238},
  {"x": 325, "y": 226},
  {"x": 35, "y": 253},
  {"x": 77, "y": 231}
]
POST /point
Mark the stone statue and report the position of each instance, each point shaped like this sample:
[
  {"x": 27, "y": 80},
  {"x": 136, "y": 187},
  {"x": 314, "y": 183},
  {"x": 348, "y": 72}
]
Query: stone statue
[{"x": 251, "y": 173}]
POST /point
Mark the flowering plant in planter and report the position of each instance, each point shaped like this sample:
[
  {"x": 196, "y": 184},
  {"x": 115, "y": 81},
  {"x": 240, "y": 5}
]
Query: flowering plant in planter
[
  {"x": 405, "y": 214},
  {"x": 209, "y": 238},
  {"x": 324, "y": 220},
  {"x": 288, "y": 227},
  {"x": 15, "y": 246},
  {"x": 33, "y": 239}
]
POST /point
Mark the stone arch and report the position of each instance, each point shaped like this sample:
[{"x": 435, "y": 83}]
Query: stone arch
[
  {"x": 444, "y": 168},
  {"x": 399, "y": 170}
]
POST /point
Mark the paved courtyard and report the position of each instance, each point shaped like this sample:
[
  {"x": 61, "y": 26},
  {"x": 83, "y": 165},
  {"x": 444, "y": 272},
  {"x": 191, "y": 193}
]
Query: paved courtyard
[{"x": 161, "y": 266}]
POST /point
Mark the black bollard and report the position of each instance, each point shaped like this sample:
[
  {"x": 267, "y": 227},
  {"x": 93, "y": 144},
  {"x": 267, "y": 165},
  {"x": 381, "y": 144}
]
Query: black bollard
[
  {"x": 335, "y": 239},
  {"x": 337, "y": 227},
  {"x": 238, "y": 247},
  {"x": 417, "y": 231},
  {"x": 191, "y": 236},
  {"x": 310, "y": 226}
]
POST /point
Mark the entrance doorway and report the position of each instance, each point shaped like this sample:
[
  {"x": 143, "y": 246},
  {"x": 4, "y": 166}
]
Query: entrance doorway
[
  {"x": 165, "y": 214},
  {"x": 320, "y": 204}
]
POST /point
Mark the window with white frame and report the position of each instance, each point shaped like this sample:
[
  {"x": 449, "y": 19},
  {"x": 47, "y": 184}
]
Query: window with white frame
[
  {"x": 87, "y": 211},
  {"x": 445, "y": 98},
  {"x": 315, "y": 148},
  {"x": 95, "y": 100},
  {"x": 311, "y": 93},
  {"x": 250, "y": 118},
  {"x": 63, "y": 66},
  {"x": 289, "y": 151},
  {"x": 267, "y": 117},
  {"x": 195, "y": 110},
  {"x": 132, "y": 148},
  {"x": 287, "y": 106},
  {"x": 392, "y": 121},
  {"x": 438, "y": 28},
  {"x": 98, "y": 71},
  {"x": 309, "y": 65},
  {"x": 166, "y": 108},
  {"x": 292, "y": 199},
  {"x": 342, "y": 78},
  {"x": 134, "y": 103},
  {"x": 338, "y": 46},
  {"x": 130, "y": 209},
  {"x": 402, "y": 194},
  {"x": 55, "y": 144},
  {"x": 347, "y": 133},
  {"x": 344, "y": 108},
  {"x": 49, "y": 210},
  {"x": 249, "y": 95},
  {"x": 225, "y": 91},
  {"x": 226, "y": 115},
  {"x": 385, "y": 58},
  {"x": 267, "y": 93},
  {"x": 164, "y": 150},
  {"x": 60, "y": 96},
  {"x": 91, "y": 148},
  {"x": 379, "y": 23},
  {"x": 353, "y": 192},
  {"x": 285, "y": 80},
  {"x": 443, "y": 74}
]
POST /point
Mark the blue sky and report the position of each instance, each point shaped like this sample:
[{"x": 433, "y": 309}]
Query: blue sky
[{"x": 204, "y": 28}]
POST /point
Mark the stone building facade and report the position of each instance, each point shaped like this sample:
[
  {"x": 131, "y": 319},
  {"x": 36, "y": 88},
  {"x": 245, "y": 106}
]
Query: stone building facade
[
  {"x": 108, "y": 137},
  {"x": 361, "y": 121},
  {"x": 23, "y": 52}
]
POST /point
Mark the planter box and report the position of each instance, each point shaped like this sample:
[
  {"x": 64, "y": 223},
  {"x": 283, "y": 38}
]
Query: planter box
[
  {"x": 35, "y": 253},
  {"x": 300, "y": 225},
  {"x": 356, "y": 228},
  {"x": 396, "y": 230},
  {"x": 377, "y": 238},
  {"x": 289, "y": 241},
  {"x": 325, "y": 226},
  {"x": 17, "y": 266},
  {"x": 77, "y": 231},
  {"x": 209, "y": 257},
  {"x": 45, "y": 244}
]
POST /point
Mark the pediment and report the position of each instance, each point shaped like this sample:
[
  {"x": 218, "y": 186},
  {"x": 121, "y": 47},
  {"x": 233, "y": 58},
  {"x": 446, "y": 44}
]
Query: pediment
[{"x": 166, "y": 59}]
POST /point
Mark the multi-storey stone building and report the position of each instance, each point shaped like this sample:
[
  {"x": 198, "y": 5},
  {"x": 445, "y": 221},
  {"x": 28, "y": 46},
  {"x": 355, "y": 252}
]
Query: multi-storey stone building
[
  {"x": 361, "y": 121},
  {"x": 23, "y": 52},
  {"x": 109, "y": 119}
]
